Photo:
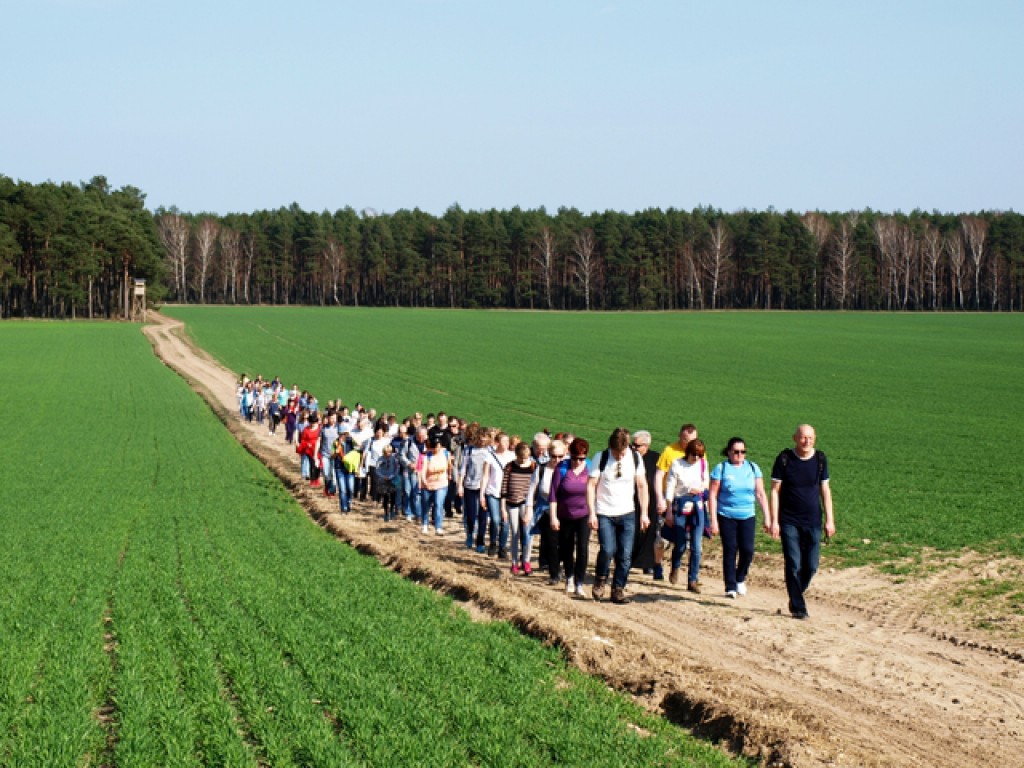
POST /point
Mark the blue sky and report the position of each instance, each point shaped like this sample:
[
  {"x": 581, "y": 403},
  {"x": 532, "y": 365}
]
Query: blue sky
[{"x": 238, "y": 106}]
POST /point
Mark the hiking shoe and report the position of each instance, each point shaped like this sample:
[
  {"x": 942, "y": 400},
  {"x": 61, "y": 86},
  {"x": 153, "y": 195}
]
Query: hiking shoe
[
  {"x": 731, "y": 594},
  {"x": 527, "y": 569},
  {"x": 492, "y": 550},
  {"x": 579, "y": 591},
  {"x": 598, "y": 590},
  {"x": 741, "y": 588},
  {"x": 659, "y": 573},
  {"x": 673, "y": 577},
  {"x": 693, "y": 586},
  {"x": 801, "y": 615},
  {"x": 515, "y": 569},
  {"x": 619, "y": 596},
  {"x": 502, "y": 554},
  {"x": 570, "y": 586},
  {"x": 554, "y": 581}
]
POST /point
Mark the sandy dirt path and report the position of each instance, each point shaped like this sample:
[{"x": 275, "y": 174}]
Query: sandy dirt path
[{"x": 882, "y": 674}]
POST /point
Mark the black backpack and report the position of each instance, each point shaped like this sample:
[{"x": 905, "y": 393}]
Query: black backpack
[{"x": 604, "y": 459}]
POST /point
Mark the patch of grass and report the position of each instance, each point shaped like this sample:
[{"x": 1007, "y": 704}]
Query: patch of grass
[
  {"x": 1011, "y": 590},
  {"x": 152, "y": 570}
]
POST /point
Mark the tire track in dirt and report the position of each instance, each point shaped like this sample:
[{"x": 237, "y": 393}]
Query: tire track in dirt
[{"x": 878, "y": 677}]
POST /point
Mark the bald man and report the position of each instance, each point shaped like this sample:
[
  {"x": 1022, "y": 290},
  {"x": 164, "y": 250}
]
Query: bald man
[{"x": 800, "y": 493}]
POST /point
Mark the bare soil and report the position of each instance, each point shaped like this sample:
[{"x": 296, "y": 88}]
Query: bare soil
[{"x": 888, "y": 671}]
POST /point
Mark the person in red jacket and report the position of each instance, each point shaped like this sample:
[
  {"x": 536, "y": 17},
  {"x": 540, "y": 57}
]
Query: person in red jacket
[{"x": 308, "y": 440}]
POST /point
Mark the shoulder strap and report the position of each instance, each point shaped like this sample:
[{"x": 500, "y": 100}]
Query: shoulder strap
[{"x": 604, "y": 460}]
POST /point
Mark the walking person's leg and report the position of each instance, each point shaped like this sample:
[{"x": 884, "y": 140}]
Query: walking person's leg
[
  {"x": 730, "y": 547},
  {"x": 792, "y": 554},
  {"x": 745, "y": 542},
  {"x": 696, "y": 537}
]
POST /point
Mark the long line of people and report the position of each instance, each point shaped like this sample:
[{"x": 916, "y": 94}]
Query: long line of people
[{"x": 431, "y": 470}]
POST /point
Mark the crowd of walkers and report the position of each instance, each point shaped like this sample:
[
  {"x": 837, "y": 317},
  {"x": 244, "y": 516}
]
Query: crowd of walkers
[{"x": 644, "y": 505}]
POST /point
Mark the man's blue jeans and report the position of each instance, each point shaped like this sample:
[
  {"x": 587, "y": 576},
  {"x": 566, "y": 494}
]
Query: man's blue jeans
[
  {"x": 801, "y": 547},
  {"x": 411, "y": 494},
  {"x": 616, "y": 537},
  {"x": 345, "y": 483}
]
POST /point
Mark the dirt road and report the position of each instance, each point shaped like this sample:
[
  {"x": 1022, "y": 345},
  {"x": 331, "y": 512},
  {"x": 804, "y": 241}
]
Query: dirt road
[{"x": 882, "y": 675}]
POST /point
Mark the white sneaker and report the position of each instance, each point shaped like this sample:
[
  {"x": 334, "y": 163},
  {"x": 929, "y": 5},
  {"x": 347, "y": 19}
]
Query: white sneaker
[
  {"x": 730, "y": 593},
  {"x": 579, "y": 591},
  {"x": 426, "y": 529},
  {"x": 741, "y": 587},
  {"x": 570, "y": 586}
]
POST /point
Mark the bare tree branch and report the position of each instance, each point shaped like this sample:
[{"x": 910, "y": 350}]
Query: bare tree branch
[{"x": 584, "y": 262}]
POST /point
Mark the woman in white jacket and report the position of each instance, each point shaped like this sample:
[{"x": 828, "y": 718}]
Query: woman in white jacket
[{"x": 685, "y": 487}]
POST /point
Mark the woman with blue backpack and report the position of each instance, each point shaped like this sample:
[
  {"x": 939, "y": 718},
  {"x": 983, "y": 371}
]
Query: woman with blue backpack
[{"x": 735, "y": 484}]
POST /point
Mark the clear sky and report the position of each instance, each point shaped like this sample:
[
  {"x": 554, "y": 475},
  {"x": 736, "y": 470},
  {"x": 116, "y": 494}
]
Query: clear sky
[{"x": 226, "y": 106}]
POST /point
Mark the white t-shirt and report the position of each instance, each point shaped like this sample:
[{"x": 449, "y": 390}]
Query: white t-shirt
[{"x": 616, "y": 485}]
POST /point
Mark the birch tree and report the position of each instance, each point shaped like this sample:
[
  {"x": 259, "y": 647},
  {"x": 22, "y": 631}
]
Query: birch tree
[
  {"x": 821, "y": 230},
  {"x": 955, "y": 251},
  {"x": 975, "y": 230},
  {"x": 231, "y": 259},
  {"x": 887, "y": 239},
  {"x": 584, "y": 262},
  {"x": 906, "y": 261},
  {"x": 931, "y": 252},
  {"x": 544, "y": 259},
  {"x": 249, "y": 260},
  {"x": 206, "y": 238},
  {"x": 336, "y": 264},
  {"x": 841, "y": 272},
  {"x": 716, "y": 259},
  {"x": 174, "y": 235}
]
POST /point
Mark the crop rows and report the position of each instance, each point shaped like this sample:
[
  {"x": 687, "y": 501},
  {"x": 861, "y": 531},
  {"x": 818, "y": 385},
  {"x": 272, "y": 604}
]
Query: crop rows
[{"x": 165, "y": 602}]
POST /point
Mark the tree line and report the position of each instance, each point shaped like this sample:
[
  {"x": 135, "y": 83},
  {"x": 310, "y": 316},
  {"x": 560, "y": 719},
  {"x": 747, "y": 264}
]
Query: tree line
[
  {"x": 67, "y": 251},
  {"x": 71, "y": 250}
]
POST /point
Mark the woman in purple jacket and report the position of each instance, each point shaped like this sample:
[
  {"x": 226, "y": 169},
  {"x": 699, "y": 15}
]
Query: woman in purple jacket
[{"x": 570, "y": 516}]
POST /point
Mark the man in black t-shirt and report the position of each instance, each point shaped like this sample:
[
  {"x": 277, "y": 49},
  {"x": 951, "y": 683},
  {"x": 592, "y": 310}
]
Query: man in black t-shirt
[
  {"x": 800, "y": 491},
  {"x": 441, "y": 432}
]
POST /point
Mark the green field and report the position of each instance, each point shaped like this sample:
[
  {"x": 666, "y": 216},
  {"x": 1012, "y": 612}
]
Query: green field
[
  {"x": 164, "y": 601},
  {"x": 915, "y": 411}
]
